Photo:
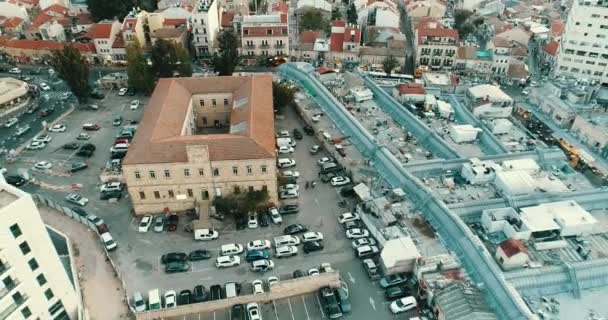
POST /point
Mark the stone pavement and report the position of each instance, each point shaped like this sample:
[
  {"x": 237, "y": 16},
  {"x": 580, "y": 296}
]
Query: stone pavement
[{"x": 101, "y": 289}]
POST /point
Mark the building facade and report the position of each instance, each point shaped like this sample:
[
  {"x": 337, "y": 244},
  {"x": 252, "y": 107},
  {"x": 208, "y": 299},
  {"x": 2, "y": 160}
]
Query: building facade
[
  {"x": 582, "y": 51},
  {"x": 344, "y": 42},
  {"x": 12, "y": 92},
  {"x": 265, "y": 35},
  {"x": 204, "y": 25},
  {"x": 34, "y": 283},
  {"x": 435, "y": 46},
  {"x": 217, "y": 138}
]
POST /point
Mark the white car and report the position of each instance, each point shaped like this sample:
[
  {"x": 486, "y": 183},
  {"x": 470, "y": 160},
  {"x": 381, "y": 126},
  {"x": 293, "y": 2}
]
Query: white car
[
  {"x": 170, "y": 299},
  {"x": 227, "y": 261},
  {"x": 122, "y": 91},
  {"x": 205, "y": 234},
  {"x": 288, "y": 187},
  {"x": 159, "y": 224},
  {"x": 275, "y": 215},
  {"x": 285, "y": 149},
  {"x": 43, "y": 138},
  {"x": 258, "y": 245},
  {"x": 258, "y": 286},
  {"x": 363, "y": 242},
  {"x": 253, "y": 310},
  {"x": 43, "y": 165},
  {"x": 111, "y": 186},
  {"x": 283, "y": 134},
  {"x": 10, "y": 122},
  {"x": 252, "y": 221},
  {"x": 262, "y": 265},
  {"x": 286, "y": 163},
  {"x": 272, "y": 281},
  {"x": 145, "y": 223},
  {"x": 348, "y": 216},
  {"x": 290, "y": 174},
  {"x": 312, "y": 236},
  {"x": 339, "y": 181},
  {"x": 326, "y": 267},
  {"x": 36, "y": 145},
  {"x": 289, "y": 194},
  {"x": 108, "y": 241},
  {"x": 138, "y": 302},
  {"x": 134, "y": 105},
  {"x": 325, "y": 160},
  {"x": 77, "y": 199},
  {"x": 15, "y": 71},
  {"x": 57, "y": 128},
  {"x": 357, "y": 233},
  {"x": 403, "y": 304},
  {"x": 313, "y": 272},
  {"x": 285, "y": 251},
  {"x": 44, "y": 86}
]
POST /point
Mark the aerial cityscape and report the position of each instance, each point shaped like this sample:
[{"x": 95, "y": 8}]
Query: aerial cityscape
[{"x": 303, "y": 159}]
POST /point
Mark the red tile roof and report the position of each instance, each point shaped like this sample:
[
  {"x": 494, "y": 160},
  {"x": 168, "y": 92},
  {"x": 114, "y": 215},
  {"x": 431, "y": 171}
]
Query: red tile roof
[
  {"x": 338, "y": 23},
  {"x": 500, "y": 42},
  {"x": 84, "y": 18},
  {"x": 519, "y": 52},
  {"x": 336, "y": 40},
  {"x": 227, "y": 19},
  {"x": 175, "y": 22},
  {"x": 277, "y": 31},
  {"x": 12, "y": 22},
  {"x": 557, "y": 28},
  {"x": 512, "y": 247},
  {"x": 410, "y": 88},
  {"x": 309, "y": 36},
  {"x": 119, "y": 42},
  {"x": 427, "y": 22},
  {"x": 428, "y": 32},
  {"x": 46, "y": 45},
  {"x": 129, "y": 24},
  {"x": 280, "y": 7},
  {"x": 324, "y": 70},
  {"x": 39, "y": 20},
  {"x": 56, "y": 8},
  {"x": 102, "y": 30},
  {"x": 551, "y": 48}
]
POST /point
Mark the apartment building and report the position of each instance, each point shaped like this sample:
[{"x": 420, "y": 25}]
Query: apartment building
[
  {"x": 436, "y": 46},
  {"x": 204, "y": 25},
  {"x": 216, "y": 137},
  {"x": 344, "y": 42},
  {"x": 583, "y": 49},
  {"x": 103, "y": 35},
  {"x": 265, "y": 35},
  {"x": 34, "y": 283}
]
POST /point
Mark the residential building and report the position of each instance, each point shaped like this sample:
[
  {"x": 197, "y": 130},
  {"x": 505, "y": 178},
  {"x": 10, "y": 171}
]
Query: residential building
[
  {"x": 511, "y": 254},
  {"x": 12, "y": 92},
  {"x": 10, "y": 10},
  {"x": 549, "y": 53},
  {"x": 37, "y": 51},
  {"x": 436, "y": 46},
  {"x": 312, "y": 46},
  {"x": 326, "y": 75},
  {"x": 304, "y": 5},
  {"x": 135, "y": 28},
  {"x": 419, "y": 9},
  {"x": 517, "y": 72},
  {"x": 176, "y": 35},
  {"x": 43, "y": 4},
  {"x": 501, "y": 56},
  {"x": 53, "y": 31},
  {"x": 460, "y": 300},
  {"x": 591, "y": 131},
  {"x": 557, "y": 30},
  {"x": 12, "y": 26},
  {"x": 584, "y": 41},
  {"x": 265, "y": 35},
  {"x": 34, "y": 282},
  {"x": 236, "y": 6},
  {"x": 48, "y": 15},
  {"x": 470, "y": 61},
  {"x": 204, "y": 26},
  {"x": 373, "y": 56},
  {"x": 103, "y": 35},
  {"x": 375, "y": 10},
  {"x": 344, "y": 42},
  {"x": 216, "y": 137},
  {"x": 384, "y": 37},
  {"x": 409, "y": 93}
]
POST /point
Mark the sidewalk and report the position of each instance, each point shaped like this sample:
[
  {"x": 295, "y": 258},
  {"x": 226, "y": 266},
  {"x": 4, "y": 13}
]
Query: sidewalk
[{"x": 101, "y": 290}]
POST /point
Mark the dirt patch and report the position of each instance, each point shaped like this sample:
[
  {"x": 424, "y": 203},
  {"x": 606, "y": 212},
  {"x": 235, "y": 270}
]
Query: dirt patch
[{"x": 423, "y": 227}]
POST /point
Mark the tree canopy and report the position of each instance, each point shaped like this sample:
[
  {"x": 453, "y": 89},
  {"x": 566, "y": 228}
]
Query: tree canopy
[
  {"x": 312, "y": 19},
  {"x": 140, "y": 74},
  {"x": 351, "y": 14},
  {"x": 110, "y": 9},
  {"x": 282, "y": 95},
  {"x": 170, "y": 59},
  {"x": 227, "y": 57},
  {"x": 241, "y": 203},
  {"x": 389, "y": 64},
  {"x": 336, "y": 14},
  {"x": 72, "y": 67}
]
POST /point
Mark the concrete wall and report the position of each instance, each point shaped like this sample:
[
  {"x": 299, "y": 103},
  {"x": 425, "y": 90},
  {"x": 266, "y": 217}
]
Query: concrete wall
[{"x": 283, "y": 289}]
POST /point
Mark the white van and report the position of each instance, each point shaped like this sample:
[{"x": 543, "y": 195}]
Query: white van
[
  {"x": 231, "y": 249},
  {"x": 285, "y": 162},
  {"x": 120, "y": 147},
  {"x": 286, "y": 240},
  {"x": 327, "y": 136},
  {"x": 366, "y": 251},
  {"x": 285, "y": 142},
  {"x": 231, "y": 289},
  {"x": 154, "y": 300}
]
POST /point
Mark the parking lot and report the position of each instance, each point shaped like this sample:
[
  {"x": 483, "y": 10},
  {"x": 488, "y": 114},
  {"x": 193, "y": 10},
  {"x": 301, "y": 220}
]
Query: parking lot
[{"x": 138, "y": 255}]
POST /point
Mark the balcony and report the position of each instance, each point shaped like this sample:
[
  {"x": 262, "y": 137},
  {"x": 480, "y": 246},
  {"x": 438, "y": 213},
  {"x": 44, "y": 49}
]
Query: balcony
[
  {"x": 250, "y": 46},
  {"x": 4, "y": 267},
  {"x": 279, "y": 45},
  {"x": 264, "y": 46},
  {"x": 6, "y": 290},
  {"x": 14, "y": 306}
]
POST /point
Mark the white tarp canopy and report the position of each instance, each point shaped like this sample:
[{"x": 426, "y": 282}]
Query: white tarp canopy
[{"x": 362, "y": 192}]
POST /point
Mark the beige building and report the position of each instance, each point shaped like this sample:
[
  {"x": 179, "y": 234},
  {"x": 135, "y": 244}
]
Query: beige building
[
  {"x": 12, "y": 92},
  {"x": 201, "y": 138},
  {"x": 34, "y": 284},
  {"x": 265, "y": 35}
]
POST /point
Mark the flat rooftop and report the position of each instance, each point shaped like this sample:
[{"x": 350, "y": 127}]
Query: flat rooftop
[{"x": 6, "y": 197}]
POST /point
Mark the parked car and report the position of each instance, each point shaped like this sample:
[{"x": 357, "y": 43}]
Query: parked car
[
  {"x": 10, "y": 122},
  {"x": 108, "y": 241},
  {"x": 134, "y": 105},
  {"x": 325, "y": 160},
  {"x": 309, "y": 130},
  {"x": 172, "y": 222},
  {"x": 256, "y": 255},
  {"x": 205, "y": 234},
  {"x": 272, "y": 281},
  {"x": 84, "y": 153},
  {"x": 83, "y": 136},
  {"x": 237, "y": 312},
  {"x": 290, "y": 174},
  {"x": 184, "y": 298},
  {"x": 71, "y": 146},
  {"x": 363, "y": 242},
  {"x": 170, "y": 299},
  {"x": 285, "y": 149},
  {"x": 110, "y": 195},
  {"x": 201, "y": 254},
  {"x": 159, "y": 223},
  {"x": 354, "y": 224},
  {"x": 339, "y": 181},
  {"x": 289, "y": 194},
  {"x": 289, "y": 187},
  {"x": 111, "y": 186},
  {"x": 356, "y": 233},
  {"x": 88, "y": 146},
  {"x": 173, "y": 257},
  {"x": 174, "y": 267},
  {"x": 46, "y": 112},
  {"x": 295, "y": 229},
  {"x": 392, "y": 280},
  {"x": 297, "y": 134},
  {"x": 275, "y": 215},
  {"x": 145, "y": 223},
  {"x": 289, "y": 209},
  {"x": 403, "y": 305},
  {"x": 199, "y": 294},
  {"x": 90, "y": 127},
  {"x": 253, "y": 311},
  {"x": 58, "y": 128},
  {"x": 44, "y": 86},
  {"x": 262, "y": 265},
  {"x": 258, "y": 245},
  {"x": 285, "y": 251},
  {"x": 313, "y": 272},
  {"x": 36, "y": 145},
  {"x": 122, "y": 91},
  {"x": 15, "y": 71},
  {"x": 252, "y": 221},
  {"x": 216, "y": 292},
  {"x": 298, "y": 274},
  {"x": 312, "y": 236},
  {"x": 395, "y": 292},
  {"x": 258, "y": 286},
  {"x": 314, "y": 149},
  {"x": 138, "y": 302},
  {"x": 77, "y": 199},
  {"x": 348, "y": 216},
  {"x": 264, "y": 219},
  {"x": 43, "y": 165},
  {"x": 117, "y": 121},
  {"x": 74, "y": 167},
  {"x": 312, "y": 246},
  {"x": 227, "y": 261},
  {"x": 16, "y": 181}
]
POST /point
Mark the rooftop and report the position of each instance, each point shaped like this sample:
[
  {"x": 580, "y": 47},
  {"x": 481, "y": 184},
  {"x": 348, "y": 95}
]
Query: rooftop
[
  {"x": 462, "y": 301},
  {"x": 410, "y": 88},
  {"x": 493, "y": 93},
  {"x": 159, "y": 138},
  {"x": 512, "y": 247},
  {"x": 6, "y": 197}
]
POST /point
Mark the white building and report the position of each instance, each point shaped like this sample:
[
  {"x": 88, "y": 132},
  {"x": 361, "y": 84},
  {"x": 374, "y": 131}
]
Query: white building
[
  {"x": 528, "y": 165},
  {"x": 512, "y": 183},
  {"x": 505, "y": 220},
  {"x": 362, "y": 94},
  {"x": 265, "y": 35},
  {"x": 488, "y": 101},
  {"x": 463, "y": 133},
  {"x": 12, "y": 92},
  {"x": 204, "y": 26},
  {"x": 435, "y": 45},
  {"x": 444, "y": 109},
  {"x": 479, "y": 172},
  {"x": 582, "y": 52},
  {"x": 500, "y": 126},
  {"x": 35, "y": 283},
  {"x": 53, "y": 31},
  {"x": 511, "y": 254},
  {"x": 570, "y": 218},
  {"x": 399, "y": 255}
]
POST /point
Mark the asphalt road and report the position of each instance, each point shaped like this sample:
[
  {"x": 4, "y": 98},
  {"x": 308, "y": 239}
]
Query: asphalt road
[{"x": 138, "y": 254}]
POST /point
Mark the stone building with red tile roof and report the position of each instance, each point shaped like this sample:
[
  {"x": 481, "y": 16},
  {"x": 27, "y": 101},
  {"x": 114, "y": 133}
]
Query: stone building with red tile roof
[
  {"x": 201, "y": 138},
  {"x": 35, "y": 51},
  {"x": 435, "y": 46},
  {"x": 11, "y": 26},
  {"x": 511, "y": 254}
]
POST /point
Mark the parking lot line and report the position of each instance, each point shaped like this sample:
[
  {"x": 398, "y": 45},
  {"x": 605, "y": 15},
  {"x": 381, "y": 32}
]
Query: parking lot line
[
  {"x": 305, "y": 308},
  {"x": 290, "y": 309},
  {"x": 320, "y": 306},
  {"x": 274, "y": 307}
]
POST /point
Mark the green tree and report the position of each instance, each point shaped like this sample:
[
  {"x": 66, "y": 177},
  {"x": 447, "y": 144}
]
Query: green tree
[
  {"x": 109, "y": 9},
  {"x": 227, "y": 57},
  {"x": 461, "y": 22},
  {"x": 312, "y": 19},
  {"x": 237, "y": 204},
  {"x": 163, "y": 58},
  {"x": 282, "y": 96},
  {"x": 351, "y": 14},
  {"x": 389, "y": 64},
  {"x": 336, "y": 14},
  {"x": 72, "y": 67},
  {"x": 140, "y": 74},
  {"x": 184, "y": 67}
]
